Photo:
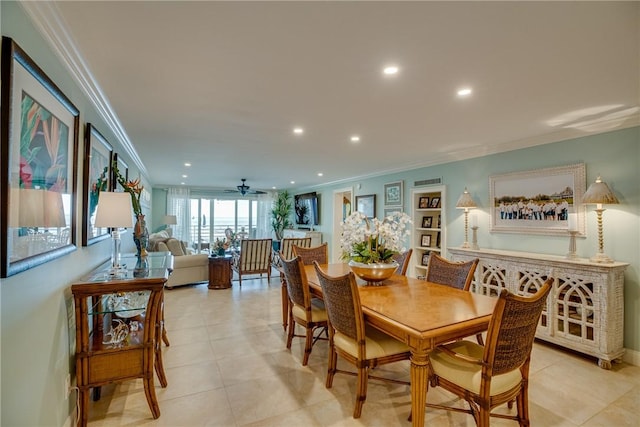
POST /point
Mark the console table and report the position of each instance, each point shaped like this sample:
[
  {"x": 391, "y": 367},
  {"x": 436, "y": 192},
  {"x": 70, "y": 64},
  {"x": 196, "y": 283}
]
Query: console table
[
  {"x": 132, "y": 302},
  {"x": 585, "y": 309},
  {"x": 220, "y": 272},
  {"x": 316, "y": 236}
]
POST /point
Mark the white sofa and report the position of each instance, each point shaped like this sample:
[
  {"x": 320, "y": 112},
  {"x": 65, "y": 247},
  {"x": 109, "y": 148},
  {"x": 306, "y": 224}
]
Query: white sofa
[{"x": 187, "y": 268}]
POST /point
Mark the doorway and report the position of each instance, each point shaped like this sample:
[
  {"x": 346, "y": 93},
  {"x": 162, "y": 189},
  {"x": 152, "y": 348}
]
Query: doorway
[{"x": 342, "y": 207}]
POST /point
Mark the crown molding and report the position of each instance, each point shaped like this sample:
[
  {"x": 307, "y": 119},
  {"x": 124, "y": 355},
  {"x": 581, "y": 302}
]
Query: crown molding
[{"x": 48, "y": 21}]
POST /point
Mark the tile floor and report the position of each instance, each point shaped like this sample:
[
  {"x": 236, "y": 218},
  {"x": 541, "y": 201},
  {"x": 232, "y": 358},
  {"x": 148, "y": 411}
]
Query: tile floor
[{"x": 228, "y": 366}]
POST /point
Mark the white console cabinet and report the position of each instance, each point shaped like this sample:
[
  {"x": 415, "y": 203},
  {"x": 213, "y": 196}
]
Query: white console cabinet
[
  {"x": 316, "y": 236},
  {"x": 585, "y": 309}
]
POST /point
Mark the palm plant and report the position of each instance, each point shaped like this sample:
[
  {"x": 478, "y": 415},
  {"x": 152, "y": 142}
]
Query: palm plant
[{"x": 280, "y": 213}]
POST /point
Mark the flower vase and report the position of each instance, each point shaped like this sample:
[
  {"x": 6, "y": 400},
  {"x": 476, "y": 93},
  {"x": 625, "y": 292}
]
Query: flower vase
[
  {"x": 373, "y": 273},
  {"x": 141, "y": 235}
]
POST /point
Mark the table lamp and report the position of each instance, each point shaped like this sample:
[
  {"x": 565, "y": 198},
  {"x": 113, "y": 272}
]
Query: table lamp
[
  {"x": 170, "y": 220},
  {"x": 114, "y": 210},
  {"x": 466, "y": 202},
  {"x": 599, "y": 194}
]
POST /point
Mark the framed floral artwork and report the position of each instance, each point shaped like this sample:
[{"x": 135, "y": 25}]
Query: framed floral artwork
[
  {"x": 366, "y": 205},
  {"x": 393, "y": 194},
  {"x": 96, "y": 177},
  {"x": 538, "y": 201},
  {"x": 39, "y": 152}
]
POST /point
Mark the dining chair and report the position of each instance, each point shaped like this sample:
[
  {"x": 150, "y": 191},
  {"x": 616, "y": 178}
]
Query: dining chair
[
  {"x": 317, "y": 253},
  {"x": 498, "y": 372},
  {"x": 286, "y": 253},
  {"x": 350, "y": 338},
  {"x": 254, "y": 258},
  {"x": 403, "y": 261},
  {"x": 305, "y": 311},
  {"x": 455, "y": 274}
]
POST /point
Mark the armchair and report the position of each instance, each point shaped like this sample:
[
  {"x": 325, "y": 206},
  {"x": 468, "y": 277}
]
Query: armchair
[{"x": 254, "y": 258}]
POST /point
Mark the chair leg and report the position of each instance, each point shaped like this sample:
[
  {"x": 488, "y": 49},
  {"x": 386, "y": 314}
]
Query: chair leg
[
  {"x": 307, "y": 346},
  {"x": 333, "y": 361},
  {"x": 483, "y": 417},
  {"x": 361, "y": 395},
  {"x": 292, "y": 330},
  {"x": 479, "y": 339},
  {"x": 285, "y": 302},
  {"x": 523, "y": 407}
]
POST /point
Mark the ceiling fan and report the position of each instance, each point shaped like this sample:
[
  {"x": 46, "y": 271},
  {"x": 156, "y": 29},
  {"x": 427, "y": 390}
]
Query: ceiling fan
[{"x": 245, "y": 189}]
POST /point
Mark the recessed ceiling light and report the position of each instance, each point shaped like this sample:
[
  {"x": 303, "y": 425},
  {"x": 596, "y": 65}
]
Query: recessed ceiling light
[
  {"x": 293, "y": 182},
  {"x": 298, "y": 131},
  {"x": 187, "y": 164},
  {"x": 464, "y": 91},
  {"x": 184, "y": 176},
  {"x": 355, "y": 138},
  {"x": 320, "y": 174},
  {"x": 182, "y": 183},
  {"x": 273, "y": 188},
  {"x": 390, "y": 70}
]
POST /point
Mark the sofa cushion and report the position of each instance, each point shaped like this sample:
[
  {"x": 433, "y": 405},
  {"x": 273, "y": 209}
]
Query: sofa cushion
[
  {"x": 156, "y": 238},
  {"x": 175, "y": 246}
]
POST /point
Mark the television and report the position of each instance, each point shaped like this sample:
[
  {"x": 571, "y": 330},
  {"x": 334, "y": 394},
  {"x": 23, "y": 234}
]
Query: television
[{"x": 306, "y": 210}]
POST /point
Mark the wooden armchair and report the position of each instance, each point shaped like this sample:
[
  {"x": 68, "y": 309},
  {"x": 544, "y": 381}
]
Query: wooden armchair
[
  {"x": 305, "y": 311},
  {"x": 285, "y": 254},
  {"x": 494, "y": 374},
  {"x": 403, "y": 261},
  {"x": 309, "y": 255},
  {"x": 254, "y": 258},
  {"x": 353, "y": 340}
]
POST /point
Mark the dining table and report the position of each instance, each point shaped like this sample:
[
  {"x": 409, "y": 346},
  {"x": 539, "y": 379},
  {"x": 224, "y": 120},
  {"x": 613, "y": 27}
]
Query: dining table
[{"x": 419, "y": 313}]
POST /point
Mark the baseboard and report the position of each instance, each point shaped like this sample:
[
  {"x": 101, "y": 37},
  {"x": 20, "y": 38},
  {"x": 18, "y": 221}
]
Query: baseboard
[{"x": 631, "y": 357}]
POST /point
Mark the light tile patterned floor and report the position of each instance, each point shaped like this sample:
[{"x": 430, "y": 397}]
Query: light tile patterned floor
[{"x": 228, "y": 366}]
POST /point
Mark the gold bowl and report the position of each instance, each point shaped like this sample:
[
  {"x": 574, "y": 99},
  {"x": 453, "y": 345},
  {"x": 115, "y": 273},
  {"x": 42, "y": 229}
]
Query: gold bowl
[{"x": 374, "y": 273}]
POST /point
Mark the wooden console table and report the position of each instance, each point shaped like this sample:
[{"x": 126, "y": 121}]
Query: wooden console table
[
  {"x": 133, "y": 303},
  {"x": 585, "y": 309},
  {"x": 220, "y": 272}
]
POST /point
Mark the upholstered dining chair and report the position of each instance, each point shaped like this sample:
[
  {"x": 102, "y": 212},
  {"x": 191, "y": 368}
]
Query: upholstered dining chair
[
  {"x": 317, "y": 253},
  {"x": 497, "y": 373},
  {"x": 286, "y": 253},
  {"x": 349, "y": 337},
  {"x": 403, "y": 261},
  {"x": 305, "y": 311},
  {"x": 455, "y": 274},
  {"x": 254, "y": 258}
]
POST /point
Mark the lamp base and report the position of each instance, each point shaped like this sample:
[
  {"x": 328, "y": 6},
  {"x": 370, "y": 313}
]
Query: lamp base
[
  {"x": 465, "y": 245},
  {"x": 601, "y": 258}
]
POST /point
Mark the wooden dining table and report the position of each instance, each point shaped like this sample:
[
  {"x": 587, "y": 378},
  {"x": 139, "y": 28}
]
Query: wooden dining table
[{"x": 419, "y": 313}]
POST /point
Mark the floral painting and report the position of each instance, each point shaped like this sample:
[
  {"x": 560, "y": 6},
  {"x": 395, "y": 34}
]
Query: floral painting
[
  {"x": 96, "y": 178},
  {"x": 43, "y": 150},
  {"x": 40, "y": 139}
]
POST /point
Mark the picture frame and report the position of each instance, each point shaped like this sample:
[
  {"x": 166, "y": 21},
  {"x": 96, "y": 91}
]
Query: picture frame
[
  {"x": 393, "y": 193},
  {"x": 39, "y": 157},
  {"x": 366, "y": 205},
  {"x": 538, "y": 201},
  {"x": 425, "y": 258},
  {"x": 435, "y": 202},
  {"x": 390, "y": 211},
  {"x": 123, "y": 168},
  {"x": 425, "y": 241},
  {"x": 427, "y": 221},
  {"x": 423, "y": 202},
  {"x": 96, "y": 177}
]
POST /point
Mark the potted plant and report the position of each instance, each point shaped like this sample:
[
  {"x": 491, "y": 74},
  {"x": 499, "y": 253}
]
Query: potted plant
[{"x": 280, "y": 214}]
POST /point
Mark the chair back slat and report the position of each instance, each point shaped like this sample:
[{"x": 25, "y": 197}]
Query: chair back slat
[
  {"x": 513, "y": 328},
  {"x": 297, "y": 285},
  {"x": 403, "y": 261},
  {"x": 286, "y": 246},
  {"x": 455, "y": 274},
  {"x": 317, "y": 253},
  {"x": 342, "y": 302}
]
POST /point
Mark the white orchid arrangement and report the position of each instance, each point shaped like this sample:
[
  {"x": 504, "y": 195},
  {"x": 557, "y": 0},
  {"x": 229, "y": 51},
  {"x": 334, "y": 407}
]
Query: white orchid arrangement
[{"x": 370, "y": 241}]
